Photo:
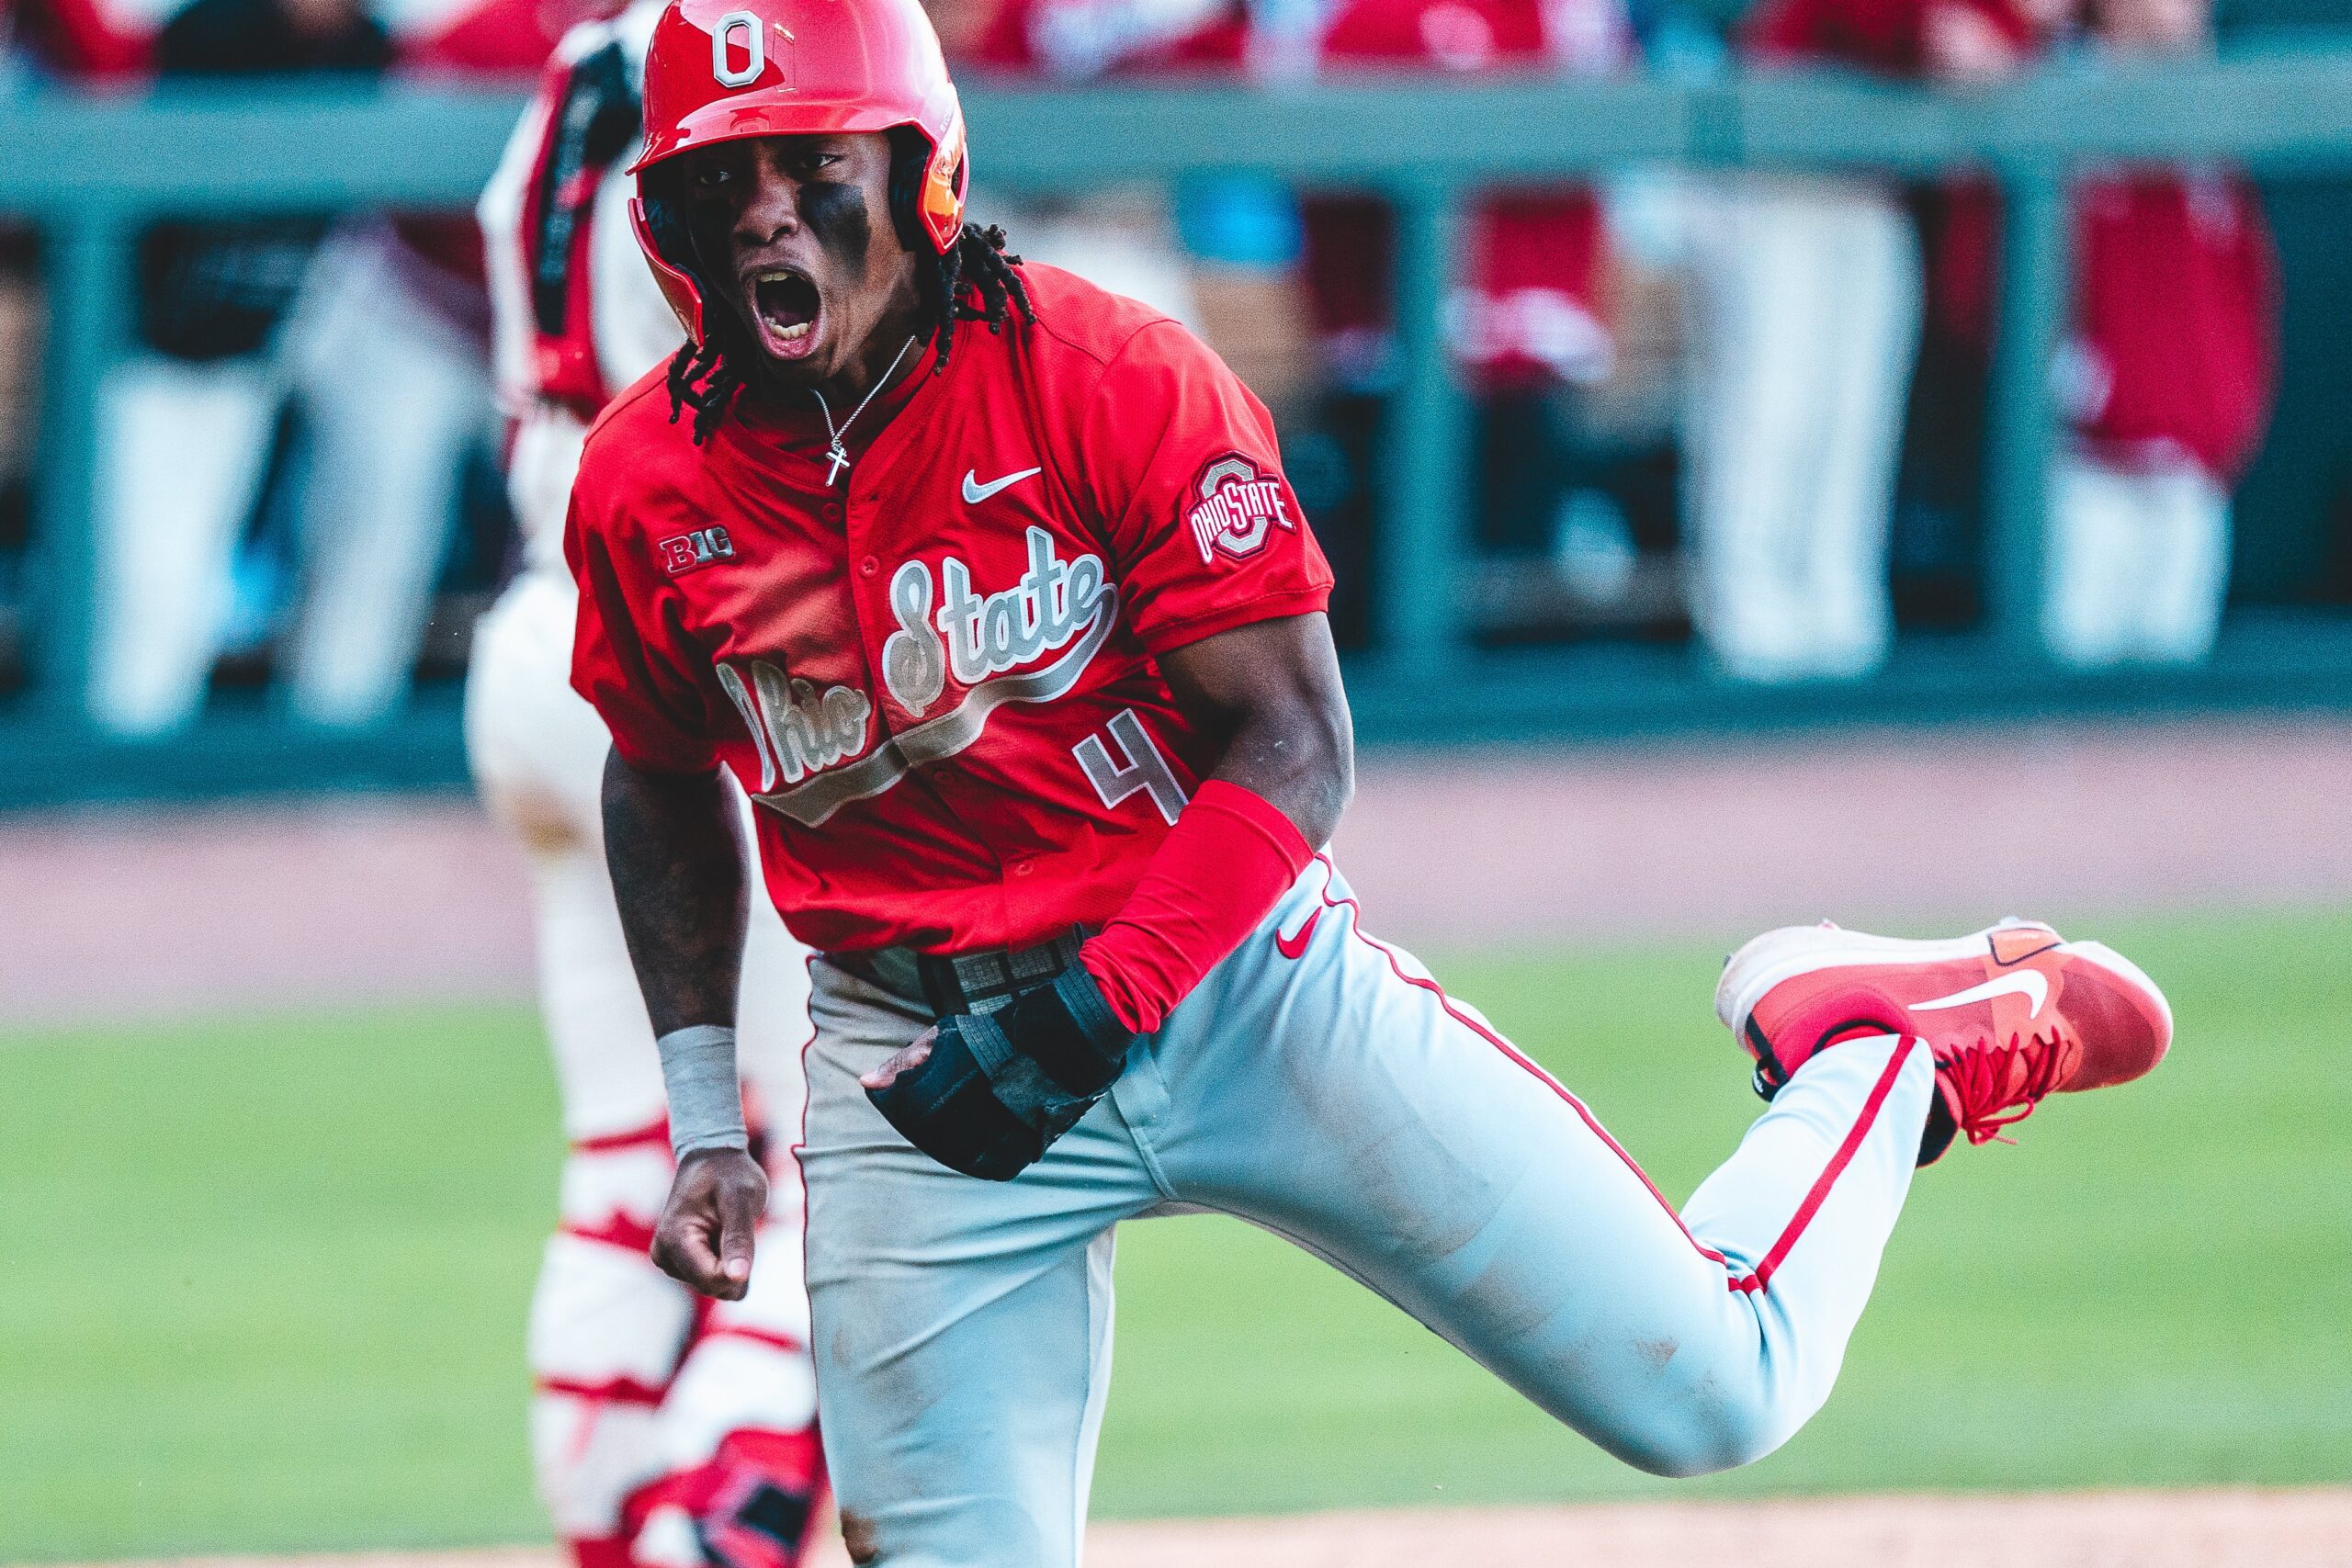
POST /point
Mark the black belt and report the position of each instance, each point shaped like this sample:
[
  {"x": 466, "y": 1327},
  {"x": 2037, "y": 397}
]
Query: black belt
[{"x": 964, "y": 982}]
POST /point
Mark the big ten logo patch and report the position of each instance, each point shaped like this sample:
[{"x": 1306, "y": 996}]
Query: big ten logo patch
[
  {"x": 1235, "y": 509},
  {"x": 692, "y": 552}
]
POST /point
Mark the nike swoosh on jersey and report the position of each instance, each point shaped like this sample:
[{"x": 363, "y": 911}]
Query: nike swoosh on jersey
[
  {"x": 1293, "y": 945},
  {"x": 976, "y": 492},
  {"x": 2025, "y": 983}
]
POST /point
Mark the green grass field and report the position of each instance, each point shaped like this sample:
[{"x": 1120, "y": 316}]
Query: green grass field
[{"x": 263, "y": 1278}]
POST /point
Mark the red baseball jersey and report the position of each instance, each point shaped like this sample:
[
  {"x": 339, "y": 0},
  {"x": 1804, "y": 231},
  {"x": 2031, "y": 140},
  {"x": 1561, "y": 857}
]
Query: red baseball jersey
[
  {"x": 1886, "y": 36},
  {"x": 2176, "y": 347},
  {"x": 937, "y": 678}
]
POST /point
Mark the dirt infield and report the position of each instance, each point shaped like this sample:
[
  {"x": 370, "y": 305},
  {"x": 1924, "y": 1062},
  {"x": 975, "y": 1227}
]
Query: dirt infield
[
  {"x": 140, "y": 912},
  {"x": 2109, "y": 1530}
]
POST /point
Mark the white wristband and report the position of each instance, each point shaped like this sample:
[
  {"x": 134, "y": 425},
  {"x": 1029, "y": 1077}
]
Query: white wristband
[{"x": 706, "y": 1102}]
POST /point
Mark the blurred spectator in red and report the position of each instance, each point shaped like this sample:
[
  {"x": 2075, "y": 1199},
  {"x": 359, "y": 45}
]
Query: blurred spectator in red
[
  {"x": 1123, "y": 238},
  {"x": 84, "y": 41},
  {"x": 1525, "y": 313},
  {"x": 1077, "y": 40},
  {"x": 492, "y": 40},
  {"x": 1805, "y": 325},
  {"x": 1524, "y": 317},
  {"x": 1220, "y": 262},
  {"x": 2165, "y": 381}
]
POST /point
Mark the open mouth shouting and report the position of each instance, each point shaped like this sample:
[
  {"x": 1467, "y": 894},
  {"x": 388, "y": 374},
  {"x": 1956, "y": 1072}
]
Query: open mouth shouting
[{"x": 785, "y": 308}]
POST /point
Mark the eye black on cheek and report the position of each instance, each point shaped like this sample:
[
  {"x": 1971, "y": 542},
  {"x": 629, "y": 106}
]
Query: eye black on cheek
[{"x": 835, "y": 213}]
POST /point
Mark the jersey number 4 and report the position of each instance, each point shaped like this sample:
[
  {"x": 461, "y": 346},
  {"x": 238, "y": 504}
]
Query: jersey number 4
[{"x": 1145, "y": 772}]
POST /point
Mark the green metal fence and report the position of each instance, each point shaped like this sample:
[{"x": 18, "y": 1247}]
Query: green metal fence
[{"x": 90, "y": 173}]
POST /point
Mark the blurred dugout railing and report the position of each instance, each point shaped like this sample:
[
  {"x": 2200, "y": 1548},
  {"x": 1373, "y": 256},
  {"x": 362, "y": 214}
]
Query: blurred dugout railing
[{"x": 90, "y": 173}]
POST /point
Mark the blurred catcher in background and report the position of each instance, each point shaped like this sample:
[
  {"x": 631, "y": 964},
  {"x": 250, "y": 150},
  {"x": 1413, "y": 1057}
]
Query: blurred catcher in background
[{"x": 668, "y": 1431}]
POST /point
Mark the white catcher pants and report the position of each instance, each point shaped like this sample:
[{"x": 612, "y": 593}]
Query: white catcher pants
[
  {"x": 1339, "y": 1100},
  {"x": 635, "y": 1381}
]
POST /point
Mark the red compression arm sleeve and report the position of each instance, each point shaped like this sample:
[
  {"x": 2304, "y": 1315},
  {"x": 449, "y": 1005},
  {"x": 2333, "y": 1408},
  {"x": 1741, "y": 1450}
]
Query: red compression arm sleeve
[{"x": 1230, "y": 856}]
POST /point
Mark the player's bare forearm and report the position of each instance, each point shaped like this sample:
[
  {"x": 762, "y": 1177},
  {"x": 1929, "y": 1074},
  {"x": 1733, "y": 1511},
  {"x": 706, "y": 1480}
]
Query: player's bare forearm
[
  {"x": 1273, "y": 688},
  {"x": 678, "y": 879},
  {"x": 677, "y": 870}
]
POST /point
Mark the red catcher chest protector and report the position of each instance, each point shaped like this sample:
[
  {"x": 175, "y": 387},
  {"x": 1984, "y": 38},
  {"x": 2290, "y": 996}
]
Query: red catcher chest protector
[{"x": 728, "y": 70}]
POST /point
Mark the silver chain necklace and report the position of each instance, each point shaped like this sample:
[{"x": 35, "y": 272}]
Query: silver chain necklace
[{"x": 837, "y": 455}]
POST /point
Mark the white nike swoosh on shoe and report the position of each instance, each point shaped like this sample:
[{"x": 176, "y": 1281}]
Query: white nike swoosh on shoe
[
  {"x": 2024, "y": 982},
  {"x": 976, "y": 492}
]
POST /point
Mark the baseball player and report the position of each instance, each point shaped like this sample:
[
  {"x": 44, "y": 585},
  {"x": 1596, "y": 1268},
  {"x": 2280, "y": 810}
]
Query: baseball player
[
  {"x": 986, "y": 585},
  {"x": 2165, "y": 377},
  {"x": 667, "y": 1432}
]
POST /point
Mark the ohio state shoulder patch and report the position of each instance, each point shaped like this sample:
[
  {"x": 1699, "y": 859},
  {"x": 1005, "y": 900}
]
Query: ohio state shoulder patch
[{"x": 1235, "y": 508}]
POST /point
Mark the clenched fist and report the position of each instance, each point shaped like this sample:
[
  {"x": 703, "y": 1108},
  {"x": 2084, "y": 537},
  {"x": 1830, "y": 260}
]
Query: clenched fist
[{"x": 704, "y": 1239}]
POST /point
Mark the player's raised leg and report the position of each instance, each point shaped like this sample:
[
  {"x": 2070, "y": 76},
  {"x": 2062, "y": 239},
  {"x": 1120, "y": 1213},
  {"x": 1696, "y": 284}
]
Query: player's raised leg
[{"x": 1420, "y": 1150}]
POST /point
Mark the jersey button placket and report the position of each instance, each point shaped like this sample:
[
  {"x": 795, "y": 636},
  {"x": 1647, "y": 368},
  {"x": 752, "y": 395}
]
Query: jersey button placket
[{"x": 869, "y": 605}]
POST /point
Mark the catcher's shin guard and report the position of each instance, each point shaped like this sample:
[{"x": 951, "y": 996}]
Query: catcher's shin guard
[
  {"x": 743, "y": 1472},
  {"x": 754, "y": 1504},
  {"x": 606, "y": 1331}
]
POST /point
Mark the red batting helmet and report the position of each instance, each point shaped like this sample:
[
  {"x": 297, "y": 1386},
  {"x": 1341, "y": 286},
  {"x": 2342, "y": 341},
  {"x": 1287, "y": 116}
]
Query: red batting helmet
[{"x": 725, "y": 69}]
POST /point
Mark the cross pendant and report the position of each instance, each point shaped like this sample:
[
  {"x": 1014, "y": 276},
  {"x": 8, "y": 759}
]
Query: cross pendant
[{"x": 839, "y": 459}]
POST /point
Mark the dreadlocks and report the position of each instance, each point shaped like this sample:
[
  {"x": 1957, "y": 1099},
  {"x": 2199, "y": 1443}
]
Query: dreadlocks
[
  {"x": 977, "y": 264},
  {"x": 976, "y": 280}
]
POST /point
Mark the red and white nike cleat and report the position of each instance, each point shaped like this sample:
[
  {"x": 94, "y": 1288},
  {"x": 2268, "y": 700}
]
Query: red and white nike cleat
[{"x": 2012, "y": 1013}]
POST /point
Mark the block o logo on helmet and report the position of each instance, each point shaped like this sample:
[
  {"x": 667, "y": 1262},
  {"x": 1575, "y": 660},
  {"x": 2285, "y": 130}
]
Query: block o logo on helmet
[
  {"x": 1238, "y": 507},
  {"x": 734, "y": 26}
]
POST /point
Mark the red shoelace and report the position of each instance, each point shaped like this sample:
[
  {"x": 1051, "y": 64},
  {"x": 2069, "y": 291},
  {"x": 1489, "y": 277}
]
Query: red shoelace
[{"x": 1997, "y": 1085}]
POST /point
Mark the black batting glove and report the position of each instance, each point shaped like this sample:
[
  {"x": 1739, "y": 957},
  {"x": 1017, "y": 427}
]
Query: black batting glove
[{"x": 1000, "y": 1087}]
